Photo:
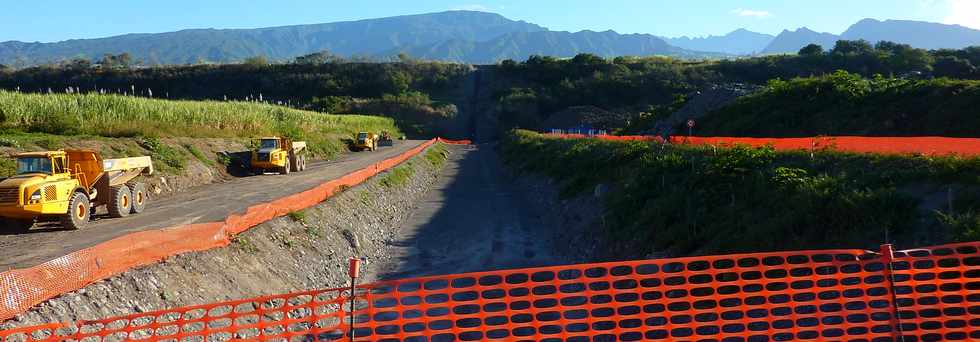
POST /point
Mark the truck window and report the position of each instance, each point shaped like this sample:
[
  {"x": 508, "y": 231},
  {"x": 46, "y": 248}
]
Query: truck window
[
  {"x": 59, "y": 166},
  {"x": 269, "y": 143},
  {"x": 33, "y": 165},
  {"x": 362, "y": 136}
]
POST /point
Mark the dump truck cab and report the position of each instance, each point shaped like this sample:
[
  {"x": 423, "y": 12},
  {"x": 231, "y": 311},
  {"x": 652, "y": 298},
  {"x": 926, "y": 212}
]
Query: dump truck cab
[
  {"x": 279, "y": 154},
  {"x": 66, "y": 185},
  {"x": 41, "y": 186}
]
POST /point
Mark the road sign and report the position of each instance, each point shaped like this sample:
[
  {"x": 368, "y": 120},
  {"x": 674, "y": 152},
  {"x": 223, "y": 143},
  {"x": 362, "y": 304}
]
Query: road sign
[{"x": 690, "y": 123}]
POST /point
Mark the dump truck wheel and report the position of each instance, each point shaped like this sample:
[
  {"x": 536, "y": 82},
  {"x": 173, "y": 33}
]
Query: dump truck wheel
[
  {"x": 139, "y": 197},
  {"x": 285, "y": 169},
  {"x": 304, "y": 163},
  {"x": 293, "y": 164},
  {"x": 78, "y": 212},
  {"x": 17, "y": 226},
  {"x": 120, "y": 201}
]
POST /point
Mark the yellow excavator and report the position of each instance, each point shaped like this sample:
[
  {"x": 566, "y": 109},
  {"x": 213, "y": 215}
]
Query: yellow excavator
[{"x": 67, "y": 186}]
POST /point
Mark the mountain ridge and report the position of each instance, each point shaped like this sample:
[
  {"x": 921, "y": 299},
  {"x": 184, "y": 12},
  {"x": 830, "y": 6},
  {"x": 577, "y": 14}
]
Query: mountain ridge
[
  {"x": 459, "y": 36},
  {"x": 738, "y": 42},
  {"x": 919, "y": 34}
]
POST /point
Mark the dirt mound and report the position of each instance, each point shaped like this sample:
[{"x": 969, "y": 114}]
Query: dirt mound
[{"x": 702, "y": 103}]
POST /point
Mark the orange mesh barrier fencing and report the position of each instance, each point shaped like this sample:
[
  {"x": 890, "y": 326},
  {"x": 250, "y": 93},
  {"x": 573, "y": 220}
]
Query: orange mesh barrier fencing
[
  {"x": 935, "y": 146},
  {"x": 21, "y": 289},
  {"x": 787, "y": 296}
]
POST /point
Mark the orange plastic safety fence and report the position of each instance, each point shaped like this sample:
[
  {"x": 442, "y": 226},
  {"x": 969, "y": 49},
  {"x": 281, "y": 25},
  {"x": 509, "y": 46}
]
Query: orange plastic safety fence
[
  {"x": 885, "y": 145},
  {"x": 807, "y": 295},
  {"x": 21, "y": 289}
]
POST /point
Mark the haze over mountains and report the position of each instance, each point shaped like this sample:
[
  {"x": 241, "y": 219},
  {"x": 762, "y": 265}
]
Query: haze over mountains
[
  {"x": 738, "y": 42},
  {"x": 460, "y": 36}
]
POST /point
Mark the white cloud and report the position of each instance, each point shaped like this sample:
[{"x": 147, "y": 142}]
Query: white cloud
[
  {"x": 751, "y": 13},
  {"x": 471, "y": 7},
  {"x": 963, "y": 12}
]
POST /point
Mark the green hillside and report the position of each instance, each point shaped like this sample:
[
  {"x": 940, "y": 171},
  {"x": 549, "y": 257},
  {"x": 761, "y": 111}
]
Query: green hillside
[
  {"x": 698, "y": 200},
  {"x": 847, "y": 104}
]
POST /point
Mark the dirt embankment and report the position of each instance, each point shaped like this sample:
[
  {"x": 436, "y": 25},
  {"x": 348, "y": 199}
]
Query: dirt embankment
[
  {"x": 579, "y": 217},
  {"x": 304, "y": 250}
]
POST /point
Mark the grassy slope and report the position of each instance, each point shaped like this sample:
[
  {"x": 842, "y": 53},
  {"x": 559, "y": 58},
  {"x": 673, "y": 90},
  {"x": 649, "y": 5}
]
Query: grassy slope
[
  {"x": 846, "y": 104},
  {"x": 125, "y": 116},
  {"x": 697, "y": 200}
]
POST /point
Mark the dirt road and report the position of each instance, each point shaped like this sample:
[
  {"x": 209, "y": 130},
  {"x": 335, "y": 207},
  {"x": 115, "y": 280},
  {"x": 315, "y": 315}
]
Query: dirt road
[
  {"x": 209, "y": 203},
  {"x": 471, "y": 220}
]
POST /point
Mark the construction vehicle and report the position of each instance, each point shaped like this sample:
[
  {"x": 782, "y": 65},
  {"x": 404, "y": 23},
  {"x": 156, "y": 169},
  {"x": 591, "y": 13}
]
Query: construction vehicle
[
  {"x": 385, "y": 139},
  {"x": 68, "y": 185},
  {"x": 282, "y": 155},
  {"x": 366, "y": 141}
]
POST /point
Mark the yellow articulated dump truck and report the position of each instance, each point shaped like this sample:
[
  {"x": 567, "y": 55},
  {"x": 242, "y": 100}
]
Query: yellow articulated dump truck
[
  {"x": 366, "y": 141},
  {"x": 68, "y": 185},
  {"x": 280, "y": 155}
]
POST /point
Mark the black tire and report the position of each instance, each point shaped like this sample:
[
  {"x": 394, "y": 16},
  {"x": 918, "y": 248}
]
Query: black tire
[
  {"x": 78, "y": 215},
  {"x": 285, "y": 169},
  {"x": 257, "y": 171},
  {"x": 294, "y": 164},
  {"x": 15, "y": 225},
  {"x": 120, "y": 201},
  {"x": 140, "y": 197}
]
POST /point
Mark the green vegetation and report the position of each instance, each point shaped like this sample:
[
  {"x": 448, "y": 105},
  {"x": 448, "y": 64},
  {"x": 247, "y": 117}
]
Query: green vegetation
[
  {"x": 847, "y": 104},
  {"x": 701, "y": 200},
  {"x": 398, "y": 176},
  {"x": 400, "y": 90},
  {"x": 126, "y": 116},
  {"x": 436, "y": 155},
  {"x": 541, "y": 86},
  {"x": 297, "y": 216},
  {"x": 199, "y": 155},
  {"x": 859, "y": 57}
]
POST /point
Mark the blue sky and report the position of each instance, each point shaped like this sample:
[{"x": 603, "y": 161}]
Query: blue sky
[{"x": 56, "y": 20}]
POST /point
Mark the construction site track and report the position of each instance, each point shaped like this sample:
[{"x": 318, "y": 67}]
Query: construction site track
[{"x": 208, "y": 203}]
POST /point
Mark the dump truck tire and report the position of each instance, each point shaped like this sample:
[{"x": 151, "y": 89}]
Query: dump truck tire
[
  {"x": 16, "y": 226},
  {"x": 304, "y": 163},
  {"x": 78, "y": 215},
  {"x": 140, "y": 196},
  {"x": 285, "y": 169},
  {"x": 293, "y": 164},
  {"x": 120, "y": 201}
]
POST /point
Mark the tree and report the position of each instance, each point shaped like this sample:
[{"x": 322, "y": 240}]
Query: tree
[
  {"x": 852, "y": 47},
  {"x": 321, "y": 57},
  {"x": 79, "y": 64},
  {"x": 952, "y": 67},
  {"x": 811, "y": 50},
  {"x": 256, "y": 61},
  {"x": 122, "y": 60}
]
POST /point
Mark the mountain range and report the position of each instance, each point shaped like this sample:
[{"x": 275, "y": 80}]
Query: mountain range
[
  {"x": 738, "y": 42},
  {"x": 460, "y": 36},
  {"x": 919, "y": 34}
]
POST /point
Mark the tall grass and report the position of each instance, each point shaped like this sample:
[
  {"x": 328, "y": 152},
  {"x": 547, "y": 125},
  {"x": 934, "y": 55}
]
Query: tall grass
[{"x": 127, "y": 116}]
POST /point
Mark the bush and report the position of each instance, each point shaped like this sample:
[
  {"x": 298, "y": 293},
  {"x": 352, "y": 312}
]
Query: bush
[{"x": 701, "y": 200}]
